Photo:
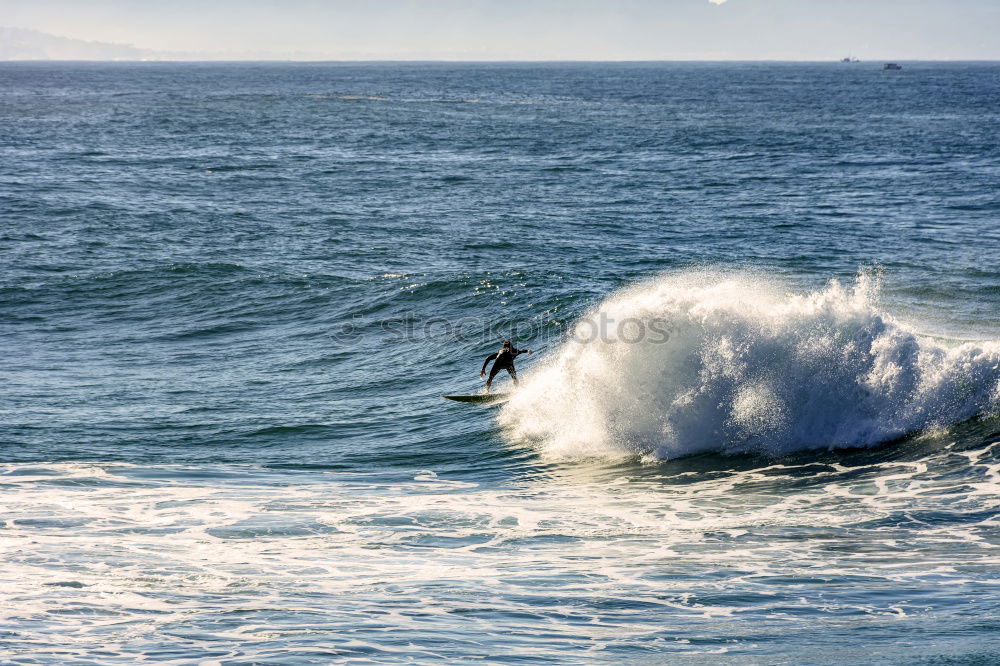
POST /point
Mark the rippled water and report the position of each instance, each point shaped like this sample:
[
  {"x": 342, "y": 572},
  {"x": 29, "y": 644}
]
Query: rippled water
[{"x": 232, "y": 296}]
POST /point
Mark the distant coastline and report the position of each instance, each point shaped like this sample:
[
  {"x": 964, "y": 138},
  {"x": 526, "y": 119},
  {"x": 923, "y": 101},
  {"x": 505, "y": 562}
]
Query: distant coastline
[{"x": 22, "y": 44}]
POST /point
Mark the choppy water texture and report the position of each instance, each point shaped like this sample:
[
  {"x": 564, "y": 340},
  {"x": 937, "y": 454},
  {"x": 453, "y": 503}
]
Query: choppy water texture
[{"x": 232, "y": 296}]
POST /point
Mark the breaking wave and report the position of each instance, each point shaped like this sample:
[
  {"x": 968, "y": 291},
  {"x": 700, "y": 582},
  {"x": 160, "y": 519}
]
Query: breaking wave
[{"x": 747, "y": 367}]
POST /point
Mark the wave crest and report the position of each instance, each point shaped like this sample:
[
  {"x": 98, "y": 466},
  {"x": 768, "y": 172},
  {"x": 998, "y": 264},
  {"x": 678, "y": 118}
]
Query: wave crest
[{"x": 747, "y": 367}]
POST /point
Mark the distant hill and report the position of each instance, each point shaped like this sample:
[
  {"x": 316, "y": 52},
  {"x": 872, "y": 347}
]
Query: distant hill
[
  {"x": 21, "y": 44},
  {"x": 24, "y": 44}
]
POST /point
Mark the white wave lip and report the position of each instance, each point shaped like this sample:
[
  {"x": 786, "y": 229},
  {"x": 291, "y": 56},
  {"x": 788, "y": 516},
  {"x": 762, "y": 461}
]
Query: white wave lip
[{"x": 747, "y": 367}]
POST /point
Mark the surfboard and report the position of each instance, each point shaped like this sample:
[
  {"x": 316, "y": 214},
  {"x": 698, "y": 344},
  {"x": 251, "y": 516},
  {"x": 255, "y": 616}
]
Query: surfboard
[{"x": 478, "y": 397}]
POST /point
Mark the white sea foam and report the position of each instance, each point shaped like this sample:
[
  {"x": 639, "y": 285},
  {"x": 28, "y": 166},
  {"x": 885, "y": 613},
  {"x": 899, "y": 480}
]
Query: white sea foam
[
  {"x": 123, "y": 563},
  {"x": 748, "y": 366}
]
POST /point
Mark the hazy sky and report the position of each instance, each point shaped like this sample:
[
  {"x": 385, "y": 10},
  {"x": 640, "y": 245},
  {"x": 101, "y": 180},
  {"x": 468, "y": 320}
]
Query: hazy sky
[{"x": 531, "y": 29}]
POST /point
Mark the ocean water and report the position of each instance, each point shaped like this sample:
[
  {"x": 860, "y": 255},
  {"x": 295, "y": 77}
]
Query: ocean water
[{"x": 759, "y": 426}]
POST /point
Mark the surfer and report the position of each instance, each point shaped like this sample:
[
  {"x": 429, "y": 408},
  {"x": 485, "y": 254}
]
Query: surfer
[{"x": 502, "y": 360}]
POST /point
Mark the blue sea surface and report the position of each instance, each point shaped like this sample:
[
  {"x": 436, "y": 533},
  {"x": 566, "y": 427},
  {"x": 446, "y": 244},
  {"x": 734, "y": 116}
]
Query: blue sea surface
[{"x": 232, "y": 295}]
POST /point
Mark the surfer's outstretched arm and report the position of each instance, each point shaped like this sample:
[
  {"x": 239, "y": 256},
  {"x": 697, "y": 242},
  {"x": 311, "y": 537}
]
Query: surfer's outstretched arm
[{"x": 491, "y": 357}]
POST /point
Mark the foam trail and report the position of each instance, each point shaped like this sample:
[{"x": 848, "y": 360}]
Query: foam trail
[{"x": 747, "y": 367}]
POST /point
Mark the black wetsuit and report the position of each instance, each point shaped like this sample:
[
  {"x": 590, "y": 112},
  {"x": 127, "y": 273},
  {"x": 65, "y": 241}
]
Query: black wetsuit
[{"x": 504, "y": 361}]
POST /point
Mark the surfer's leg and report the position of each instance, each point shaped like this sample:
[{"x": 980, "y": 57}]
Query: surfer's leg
[
  {"x": 493, "y": 373},
  {"x": 513, "y": 374}
]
